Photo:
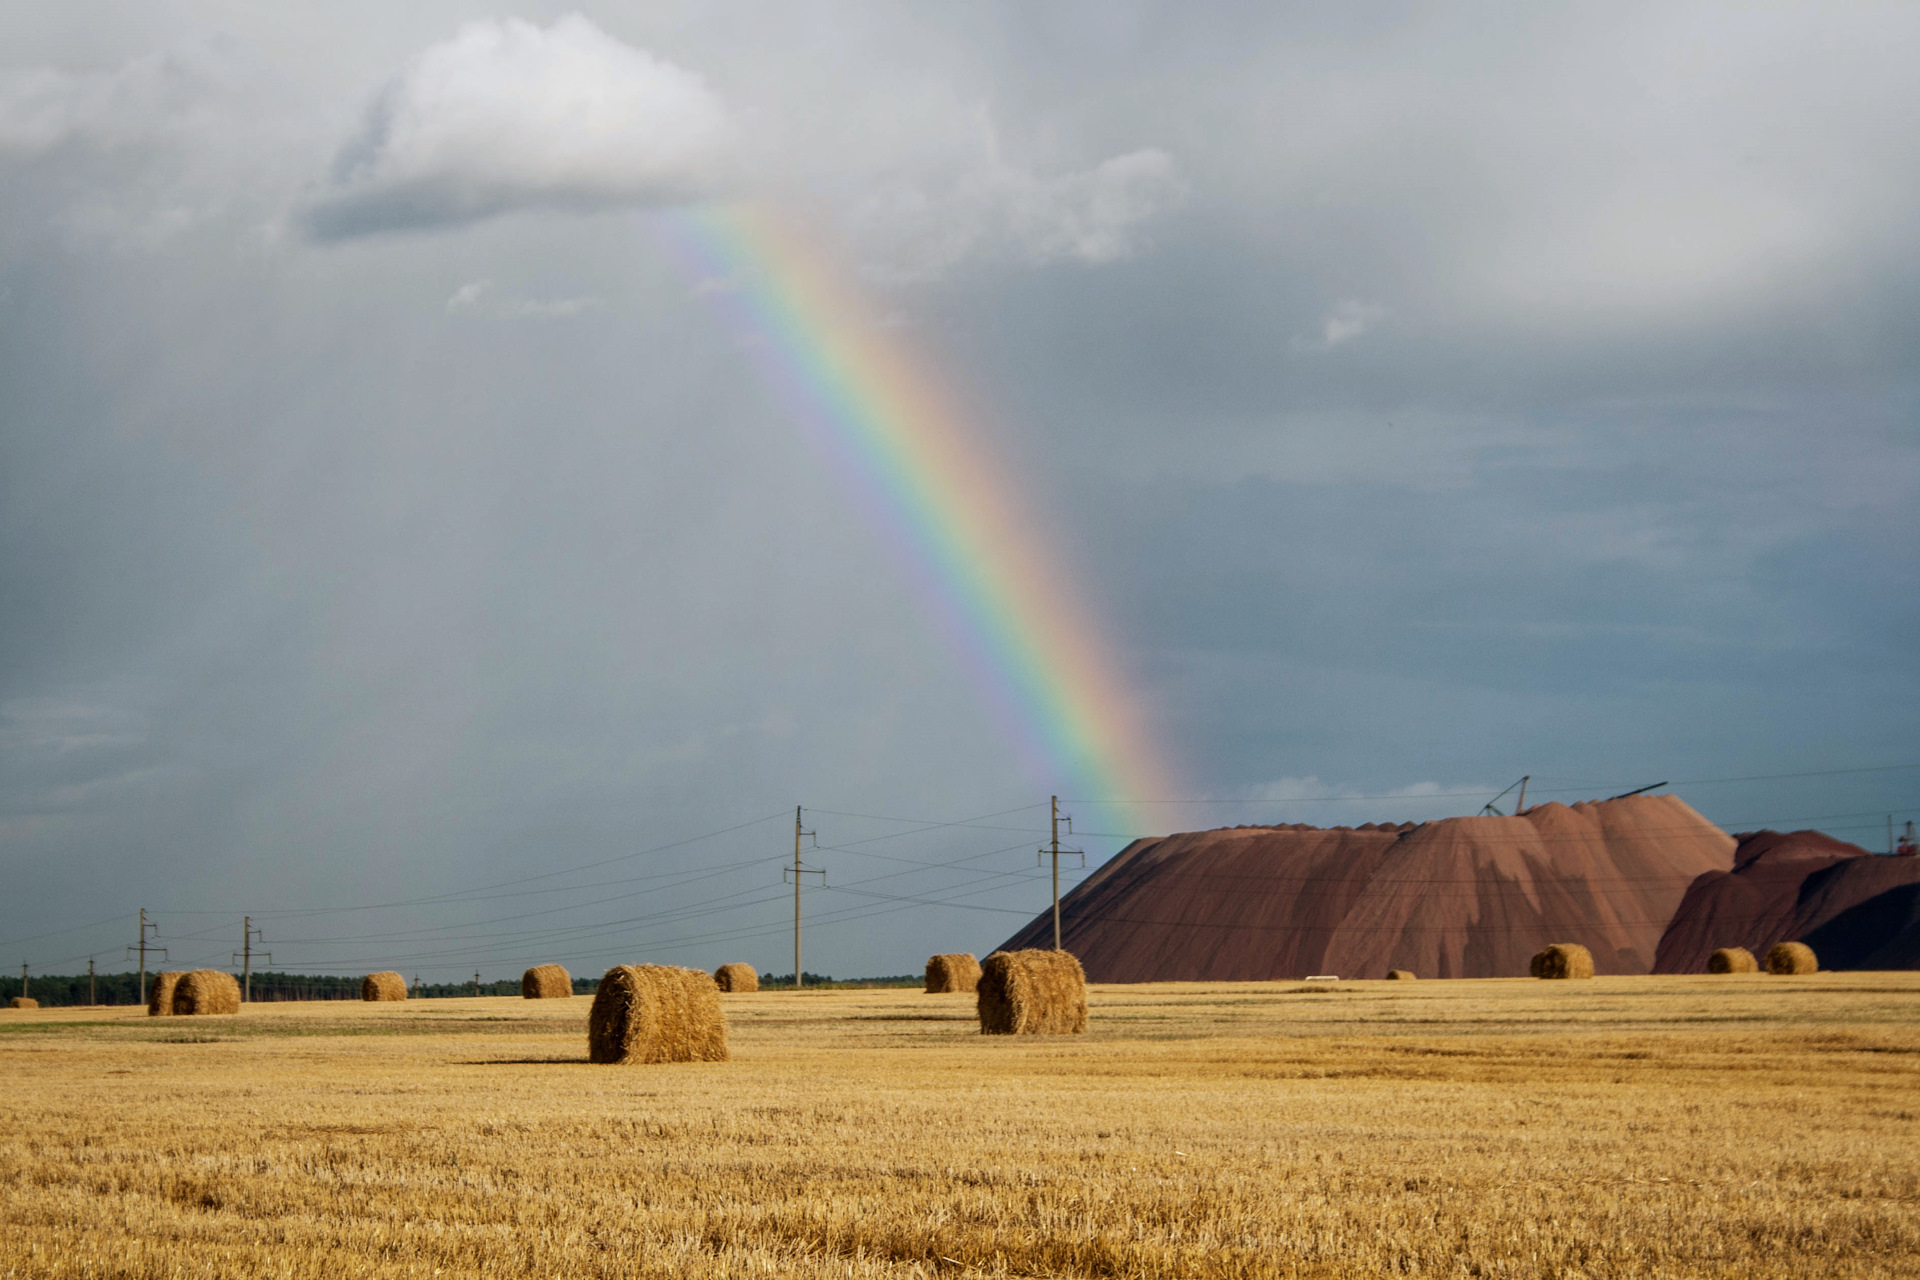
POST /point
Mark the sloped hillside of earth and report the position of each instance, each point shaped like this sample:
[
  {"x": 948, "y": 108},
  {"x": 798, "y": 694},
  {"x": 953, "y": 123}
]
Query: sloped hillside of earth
[
  {"x": 1853, "y": 907},
  {"x": 1457, "y": 898}
]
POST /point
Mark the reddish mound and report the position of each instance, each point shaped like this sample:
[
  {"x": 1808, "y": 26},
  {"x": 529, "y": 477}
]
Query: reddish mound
[
  {"x": 1459, "y": 898},
  {"x": 1798, "y": 887}
]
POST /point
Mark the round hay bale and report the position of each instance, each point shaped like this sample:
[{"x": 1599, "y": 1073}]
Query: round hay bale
[
  {"x": 386, "y": 985},
  {"x": 1732, "y": 960},
  {"x": 954, "y": 972},
  {"x": 736, "y": 978},
  {"x": 1032, "y": 993},
  {"x": 656, "y": 1013},
  {"x": 160, "y": 994},
  {"x": 546, "y": 982},
  {"x": 1792, "y": 957},
  {"x": 206, "y": 991},
  {"x": 1563, "y": 960},
  {"x": 1400, "y": 975},
  {"x": 23, "y": 1002}
]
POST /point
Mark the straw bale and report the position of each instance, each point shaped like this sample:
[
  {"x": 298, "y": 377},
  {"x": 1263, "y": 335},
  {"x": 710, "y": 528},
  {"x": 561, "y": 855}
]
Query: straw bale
[
  {"x": 385, "y": 985},
  {"x": 1563, "y": 960},
  {"x": 1792, "y": 957},
  {"x": 206, "y": 991},
  {"x": 23, "y": 1002},
  {"x": 1732, "y": 960},
  {"x": 656, "y": 1013},
  {"x": 160, "y": 994},
  {"x": 1032, "y": 993},
  {"x": 736, "y": 977},
  {"x": 958, "y": 971},
  {"x": 546, "y": 982},
  {"x": 1401, "y": 975}
]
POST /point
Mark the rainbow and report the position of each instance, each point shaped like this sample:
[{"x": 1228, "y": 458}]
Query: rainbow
[{"x": 987, "y": 571}]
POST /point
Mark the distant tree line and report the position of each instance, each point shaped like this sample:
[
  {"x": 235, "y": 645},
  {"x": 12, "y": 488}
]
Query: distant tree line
[{"x": 124, "y": 988}]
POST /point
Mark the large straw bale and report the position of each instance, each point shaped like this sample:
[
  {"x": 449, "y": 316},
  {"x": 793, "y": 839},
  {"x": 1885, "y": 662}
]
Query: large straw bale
[
  {"x": 23, "y": 1002},
  {"x": 736, "y": 977},
  {"x": 1563, "y": 960},
  {"x": 160, "y": 994},
  {"x": 546, "y": 982},
  {"x": 206, "y": 991},
  {"x": 1401, "y": 975},
  {"x": 1732, "y": 960},
  {"x": 958, "y": 971},
  {"x": 1032, "y": 993},
  {"x": 1792, "y": 957},
  {"x": 656, "y": 1013},
  {"x": 385, "y": 985}
]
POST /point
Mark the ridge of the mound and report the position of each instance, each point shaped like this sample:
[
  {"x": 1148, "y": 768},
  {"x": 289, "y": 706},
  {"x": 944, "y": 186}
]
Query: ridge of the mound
[
  {"x": 1799, "y": 886},
  {"x": 1458, "y": 897}
]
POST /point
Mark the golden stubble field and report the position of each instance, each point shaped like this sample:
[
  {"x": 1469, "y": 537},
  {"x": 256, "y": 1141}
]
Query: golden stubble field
[{"x": 1734, "y": 1126}]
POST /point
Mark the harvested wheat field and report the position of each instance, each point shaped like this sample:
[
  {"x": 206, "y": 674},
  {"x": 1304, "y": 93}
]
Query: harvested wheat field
[{"x": 1677, "y": 1126}]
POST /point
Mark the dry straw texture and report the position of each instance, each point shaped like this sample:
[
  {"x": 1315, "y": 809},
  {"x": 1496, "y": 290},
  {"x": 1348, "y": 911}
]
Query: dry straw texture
[
  {"x": 1401, "y": 975},
  {"x": 386, "y": 985},
  {"x": 956, "y": 972},
  {"x": 1732, "y": 960},
  {"x": 1230, "y": 1131},
  {"x": 546, "y": 982},
  {"x": 23, "y": 1002},
  {"x": 736, "y": 977},
  {"x": 1792, "y": 957},
  {"x": 206, "y": 991},
  {"x": 655, "y": 1013},
  {"x": 160, "y": 994},
  {"x": 1564, "y": 960},
  {"x": 1032, "y": 993}
]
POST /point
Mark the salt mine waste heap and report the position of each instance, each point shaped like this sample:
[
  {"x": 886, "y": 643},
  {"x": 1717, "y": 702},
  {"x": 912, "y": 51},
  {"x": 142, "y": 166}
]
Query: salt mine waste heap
[{"x": 1457, "y": 898}]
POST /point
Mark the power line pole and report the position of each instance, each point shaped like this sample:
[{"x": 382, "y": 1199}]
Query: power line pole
[
  {"x": 91, "y": 994},
  {"x": 476, "y": 982},
  {"x": 1056, "y": 851},
  {"x": 797, "y": 871},
  {"x": 245, "y": 955},
  {"x": 23, "y": 982},
  {"x": 143, "y": 948}
]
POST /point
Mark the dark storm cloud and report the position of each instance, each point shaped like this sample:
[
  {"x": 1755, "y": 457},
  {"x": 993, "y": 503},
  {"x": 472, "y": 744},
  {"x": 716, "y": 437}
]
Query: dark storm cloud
[{"x": 1427, "y": 396}]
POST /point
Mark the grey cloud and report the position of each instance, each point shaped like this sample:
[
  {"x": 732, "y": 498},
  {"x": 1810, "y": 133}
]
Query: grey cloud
[{"x": 1448, "y": 398}]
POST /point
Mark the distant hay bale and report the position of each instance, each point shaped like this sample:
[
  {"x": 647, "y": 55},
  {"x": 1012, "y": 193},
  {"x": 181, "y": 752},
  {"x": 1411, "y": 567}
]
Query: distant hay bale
[
  {"x": 1792, "y": 957},
  {"x": 546, "y": 982},
  {"x": 955, "y": 972},
  {"x": 1732, "y": 960},
  {"x": 160, "y": 995},
  {"x": 1400, "y": 975},
  {"x": 1563, "y": 960},
  {"x": 206, "y": 991},
  {"x": 386, "y": 985},
  {"x": 23, "y": 1002},
  {"x": 1032, "y": 993},
  {"x": 736, "y": 978},
  {"x": 656, "y": 1013}
]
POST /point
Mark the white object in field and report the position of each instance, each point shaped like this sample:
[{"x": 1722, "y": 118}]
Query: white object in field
[{"x": 1321, "y": 977}]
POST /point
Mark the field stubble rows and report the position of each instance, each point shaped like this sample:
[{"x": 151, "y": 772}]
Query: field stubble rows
[{"x": 1741, "y": 1126}]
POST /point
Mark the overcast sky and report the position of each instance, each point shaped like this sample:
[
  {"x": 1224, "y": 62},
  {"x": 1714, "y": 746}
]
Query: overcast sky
[{"x": 1420, "y": 397}]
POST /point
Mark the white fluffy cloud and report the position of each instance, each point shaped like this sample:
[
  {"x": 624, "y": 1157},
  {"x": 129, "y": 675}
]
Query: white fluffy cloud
[{"x": 508, "y": 115}]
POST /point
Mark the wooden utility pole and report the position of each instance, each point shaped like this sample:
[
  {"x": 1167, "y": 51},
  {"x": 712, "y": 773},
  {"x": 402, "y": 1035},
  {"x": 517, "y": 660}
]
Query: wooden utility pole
[
  {"x": 798, "y": 870},
  {"x": 245, "y": 955},
  {"x": 476, "y": 982},
  {"x": 143, "y": 948},
  {"x": 23, "y": 982},
  {"x": 1055, "y": 849},
  {"x": 91, "y": 995}
]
